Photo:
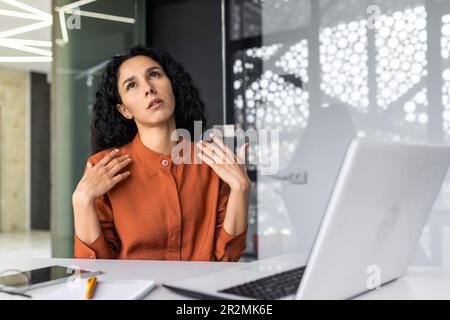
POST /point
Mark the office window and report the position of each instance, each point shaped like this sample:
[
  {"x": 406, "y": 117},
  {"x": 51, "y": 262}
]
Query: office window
[{"x": 324, "y": 72}]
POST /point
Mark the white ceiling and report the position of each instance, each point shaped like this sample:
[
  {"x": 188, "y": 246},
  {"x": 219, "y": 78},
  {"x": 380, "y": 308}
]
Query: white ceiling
[{"x": 8, "y": 23}]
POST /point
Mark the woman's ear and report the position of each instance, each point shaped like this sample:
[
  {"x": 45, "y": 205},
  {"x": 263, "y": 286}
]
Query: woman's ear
[{"x": 124, "y": 111}]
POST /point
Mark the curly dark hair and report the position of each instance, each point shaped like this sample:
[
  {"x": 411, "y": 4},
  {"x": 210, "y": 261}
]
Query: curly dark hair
[{"x": 110, "y": 129}]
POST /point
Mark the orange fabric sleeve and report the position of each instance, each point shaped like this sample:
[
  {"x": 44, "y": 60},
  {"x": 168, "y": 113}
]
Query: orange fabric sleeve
[
  {"x": 227, "y": 247},
  {"x": 107, "y": 245}
]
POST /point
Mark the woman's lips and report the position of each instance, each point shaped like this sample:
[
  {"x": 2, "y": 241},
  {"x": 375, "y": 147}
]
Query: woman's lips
[{"x": 155, "y": 105}]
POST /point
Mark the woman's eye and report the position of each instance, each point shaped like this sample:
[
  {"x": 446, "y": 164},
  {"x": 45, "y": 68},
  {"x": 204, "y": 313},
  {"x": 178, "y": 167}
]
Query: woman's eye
[
  {"x": 131, "y": 85},
  {"x": 153, "y": 75}
]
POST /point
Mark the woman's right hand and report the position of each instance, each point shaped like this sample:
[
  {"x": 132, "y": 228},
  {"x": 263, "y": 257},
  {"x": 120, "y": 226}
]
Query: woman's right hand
[{"x": 99, "y": 179}]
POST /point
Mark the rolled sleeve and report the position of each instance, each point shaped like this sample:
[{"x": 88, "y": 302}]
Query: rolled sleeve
[
  {"x": 107, "y": 245},
  {"x": 227, "y": 246},
  {"x": 97, "y": 249}
]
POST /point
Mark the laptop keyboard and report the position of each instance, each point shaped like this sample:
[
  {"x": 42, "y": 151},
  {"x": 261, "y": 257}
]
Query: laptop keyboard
[{"x": 272, "y": 287}]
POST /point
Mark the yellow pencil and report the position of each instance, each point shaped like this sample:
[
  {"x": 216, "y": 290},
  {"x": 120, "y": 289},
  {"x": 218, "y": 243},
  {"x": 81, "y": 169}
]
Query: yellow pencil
[{"x": 91, "y": 284}]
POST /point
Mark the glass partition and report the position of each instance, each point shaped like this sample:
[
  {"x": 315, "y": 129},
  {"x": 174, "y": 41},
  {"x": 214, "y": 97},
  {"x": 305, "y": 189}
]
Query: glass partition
[
  {"x": 84, "y": 38},
  {"x": 323, "y": 72}
]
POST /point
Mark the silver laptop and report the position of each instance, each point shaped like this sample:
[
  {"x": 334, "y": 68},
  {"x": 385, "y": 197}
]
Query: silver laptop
[{"x": 381, "y": 201}]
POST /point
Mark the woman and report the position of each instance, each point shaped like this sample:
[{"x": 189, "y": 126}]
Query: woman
[{"x": 134, "y": 201}]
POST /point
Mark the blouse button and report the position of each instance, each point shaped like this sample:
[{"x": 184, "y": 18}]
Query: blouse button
[{"x": 165, "y": 162}]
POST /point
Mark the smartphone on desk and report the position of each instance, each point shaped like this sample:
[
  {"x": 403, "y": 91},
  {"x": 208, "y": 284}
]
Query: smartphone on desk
[{"x": 36, "y": 278}]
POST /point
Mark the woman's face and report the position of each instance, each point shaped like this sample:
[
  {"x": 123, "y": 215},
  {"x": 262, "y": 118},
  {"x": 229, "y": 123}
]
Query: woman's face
[{"x": 146, "y": 92}]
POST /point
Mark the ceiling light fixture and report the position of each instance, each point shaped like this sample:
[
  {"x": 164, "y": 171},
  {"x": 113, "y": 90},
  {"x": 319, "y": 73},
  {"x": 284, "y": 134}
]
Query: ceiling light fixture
[
  {"x": 44, "y": 20},
  {"x": 62, "y": 23},
  {"x": 26, "y": 42},
  {"x": 76, "y": 4},
  {"x": 73, "y": 8},
  {"x": 28, "y": 28},
  {"x": 17, "y": 46},
  {"x": 100, "y": 16},
  {"x": 31, "y": 13},
  {"x": 18, "y": 14},
  {"x": 44, "y": 15},
  {"x": 25, "y": 59}
]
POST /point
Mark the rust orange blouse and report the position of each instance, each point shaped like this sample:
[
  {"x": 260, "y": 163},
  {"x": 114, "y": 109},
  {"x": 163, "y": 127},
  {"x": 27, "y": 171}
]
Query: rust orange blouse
[{"x": 163, "y": 211}]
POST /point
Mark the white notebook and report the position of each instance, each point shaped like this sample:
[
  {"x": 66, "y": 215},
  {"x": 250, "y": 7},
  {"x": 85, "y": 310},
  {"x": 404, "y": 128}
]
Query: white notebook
[{"x": 104, "y": 290}]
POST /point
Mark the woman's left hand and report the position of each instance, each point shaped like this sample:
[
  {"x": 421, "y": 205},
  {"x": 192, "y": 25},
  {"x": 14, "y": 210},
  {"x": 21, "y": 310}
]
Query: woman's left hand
[{"x": 229, "y": 167}]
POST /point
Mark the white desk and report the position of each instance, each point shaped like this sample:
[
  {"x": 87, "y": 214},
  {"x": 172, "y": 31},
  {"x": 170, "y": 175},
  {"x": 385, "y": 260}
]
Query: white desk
[{"x": 419, "y": 283}]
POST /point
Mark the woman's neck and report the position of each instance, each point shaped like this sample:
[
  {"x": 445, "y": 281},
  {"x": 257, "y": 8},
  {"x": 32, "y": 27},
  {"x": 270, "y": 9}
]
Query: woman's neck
[{"x": 157, "y": 138}]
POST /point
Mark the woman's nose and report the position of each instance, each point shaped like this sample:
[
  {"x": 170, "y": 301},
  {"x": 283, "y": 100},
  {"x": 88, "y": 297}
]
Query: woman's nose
[{"x": 150, "y": 90}]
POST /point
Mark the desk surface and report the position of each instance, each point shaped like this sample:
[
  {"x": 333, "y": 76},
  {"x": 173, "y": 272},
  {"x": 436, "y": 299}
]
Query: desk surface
[{"x": 418, "y": 283}]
